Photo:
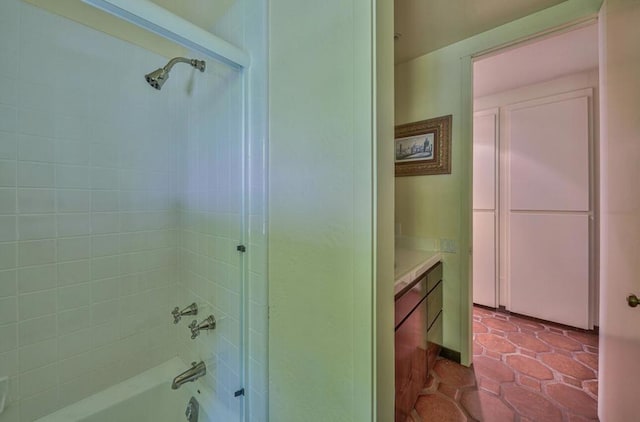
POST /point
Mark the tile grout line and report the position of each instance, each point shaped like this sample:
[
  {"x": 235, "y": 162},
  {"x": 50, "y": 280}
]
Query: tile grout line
[{"x": 576, "y": 343}]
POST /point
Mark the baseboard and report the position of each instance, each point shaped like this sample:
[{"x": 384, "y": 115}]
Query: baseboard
[{"x": 450, "y": 354}]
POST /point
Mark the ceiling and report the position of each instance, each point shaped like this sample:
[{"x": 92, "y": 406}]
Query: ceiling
[
  {"x": 427, "y": 25},
  {"x": 539, "y": 61}
]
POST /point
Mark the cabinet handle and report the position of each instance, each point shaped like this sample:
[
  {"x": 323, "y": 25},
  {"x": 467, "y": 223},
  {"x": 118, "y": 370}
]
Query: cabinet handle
[{"x": 633, "y": 301}]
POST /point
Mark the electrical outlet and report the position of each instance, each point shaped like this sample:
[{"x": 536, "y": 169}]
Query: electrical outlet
[{"x": 448, "y": 246}]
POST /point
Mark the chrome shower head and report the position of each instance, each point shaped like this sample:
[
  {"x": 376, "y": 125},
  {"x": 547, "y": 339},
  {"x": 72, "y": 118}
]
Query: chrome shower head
[{"x": 158, "y": 77}]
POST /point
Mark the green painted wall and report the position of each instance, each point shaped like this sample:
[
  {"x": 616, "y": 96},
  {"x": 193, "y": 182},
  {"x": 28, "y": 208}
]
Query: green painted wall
[
  {"x": 431, "y": 208},
  {"x": 322, "y": 211},
  {"x": 384, "y": 355}
]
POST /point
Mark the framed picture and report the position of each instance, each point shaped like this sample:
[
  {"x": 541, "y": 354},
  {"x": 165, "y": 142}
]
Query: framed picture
[{"x": 423, "y": 147}]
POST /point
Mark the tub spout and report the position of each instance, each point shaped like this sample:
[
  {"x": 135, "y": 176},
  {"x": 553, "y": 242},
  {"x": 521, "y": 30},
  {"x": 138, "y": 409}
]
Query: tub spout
[{"x": 196, "y": 371}]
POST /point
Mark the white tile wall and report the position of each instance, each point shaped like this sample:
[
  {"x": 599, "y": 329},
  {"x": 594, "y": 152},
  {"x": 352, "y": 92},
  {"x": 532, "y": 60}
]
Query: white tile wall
[
  {"x": 106, "y": 186},
  {"x": 77, "y": 298}
]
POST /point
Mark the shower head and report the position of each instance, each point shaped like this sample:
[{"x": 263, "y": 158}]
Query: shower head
[{"x": 158, "y": 77}]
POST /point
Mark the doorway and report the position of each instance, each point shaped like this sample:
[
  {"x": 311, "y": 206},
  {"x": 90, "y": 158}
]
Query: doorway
[
  {"x": 534, "y": 263},
  {"x": 534, "y": 171}
]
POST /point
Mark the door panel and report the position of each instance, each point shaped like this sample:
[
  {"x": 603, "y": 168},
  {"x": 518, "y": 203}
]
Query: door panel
[
  {"x": 549, "y": 153},
  {"x": 620, "y": 211},
  {"x": 547, "y": 224},
  {"x": 485, "y": 138},
  {"x": 549, "y": 267}
]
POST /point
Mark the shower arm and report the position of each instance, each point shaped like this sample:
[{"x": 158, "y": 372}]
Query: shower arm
[{"x": 198, "y": 64}]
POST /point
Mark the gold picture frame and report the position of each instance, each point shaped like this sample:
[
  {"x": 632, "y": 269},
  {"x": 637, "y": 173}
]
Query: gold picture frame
[{"x": 424, "y": 147}]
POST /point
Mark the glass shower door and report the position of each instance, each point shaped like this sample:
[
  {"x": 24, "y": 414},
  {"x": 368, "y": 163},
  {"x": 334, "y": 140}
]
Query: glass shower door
[{"x": 212, "y": 230}]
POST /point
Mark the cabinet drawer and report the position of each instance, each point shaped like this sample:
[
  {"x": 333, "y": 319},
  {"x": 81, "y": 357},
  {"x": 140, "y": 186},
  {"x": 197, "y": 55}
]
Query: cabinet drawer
[
  {"x": 410, "y": 361},
  {"x": 434, "y": 341},
  {"x": 434, "y": 275},
  {"x": 434, "y": 335},
  {"x": 409, "y": 299},
  {"x": 434, "y": 304}
]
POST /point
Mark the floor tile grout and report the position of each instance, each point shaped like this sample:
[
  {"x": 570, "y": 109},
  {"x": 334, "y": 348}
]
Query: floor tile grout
[{"x": 523, "y": 370}]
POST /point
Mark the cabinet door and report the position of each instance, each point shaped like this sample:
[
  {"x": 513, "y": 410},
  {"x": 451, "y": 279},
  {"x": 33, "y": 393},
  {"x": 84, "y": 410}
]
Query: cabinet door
[
  {"x": 549, "y": 208},
  {"x": 549, "y": 262},
  {"x": 410, "y": 360},
  {"x": 485, "y": 140},
  {"x": 484, "y": 258},
  {"x": 549, "y": 156},
  {"x": 484, "y": 159}
]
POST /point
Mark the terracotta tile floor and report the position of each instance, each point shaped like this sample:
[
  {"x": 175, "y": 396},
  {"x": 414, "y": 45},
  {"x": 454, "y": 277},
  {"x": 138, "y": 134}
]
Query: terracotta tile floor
[{"x": 523, "y": 370}]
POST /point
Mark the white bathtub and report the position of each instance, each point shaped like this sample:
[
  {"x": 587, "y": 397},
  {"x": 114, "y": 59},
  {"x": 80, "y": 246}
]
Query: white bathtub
[{"x": 147, "y": 397}]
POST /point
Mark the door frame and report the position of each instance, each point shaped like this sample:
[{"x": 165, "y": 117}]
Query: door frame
[{"x": 466, "y": 117}]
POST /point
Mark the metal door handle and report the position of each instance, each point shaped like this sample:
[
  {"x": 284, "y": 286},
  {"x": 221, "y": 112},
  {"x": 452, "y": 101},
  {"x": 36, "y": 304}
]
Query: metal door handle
[{"x": 633, "y": 301}]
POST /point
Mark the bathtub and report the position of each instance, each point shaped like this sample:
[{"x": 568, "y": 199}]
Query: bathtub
[{"x": 147, "y": 397}]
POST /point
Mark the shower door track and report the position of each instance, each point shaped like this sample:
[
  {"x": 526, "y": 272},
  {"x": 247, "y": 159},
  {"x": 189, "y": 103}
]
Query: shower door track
[{"x": 158, "y": 20}]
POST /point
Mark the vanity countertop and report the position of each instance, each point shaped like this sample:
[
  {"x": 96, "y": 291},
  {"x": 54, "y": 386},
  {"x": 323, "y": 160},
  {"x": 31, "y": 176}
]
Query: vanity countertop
[{"x": 410, "y": 263}]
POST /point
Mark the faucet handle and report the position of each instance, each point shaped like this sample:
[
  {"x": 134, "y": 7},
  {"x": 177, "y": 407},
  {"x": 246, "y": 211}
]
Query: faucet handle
[
  {"x": 176, "y": 315},
  {"x": 208, "y": 323},
  {"x": 194, "y": 330},
  {"x": 189, "y": 310}
]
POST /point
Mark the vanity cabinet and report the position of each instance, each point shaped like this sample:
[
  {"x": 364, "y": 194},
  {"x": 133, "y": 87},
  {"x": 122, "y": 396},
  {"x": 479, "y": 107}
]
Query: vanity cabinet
[{"x": 418, "y": 335}]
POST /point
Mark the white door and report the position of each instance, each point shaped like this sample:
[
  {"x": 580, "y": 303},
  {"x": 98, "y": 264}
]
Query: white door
[
  {"x": 619, "y": 388},
  {"x": 549, "y": 208},
  {"x": 485, "y": 135}
]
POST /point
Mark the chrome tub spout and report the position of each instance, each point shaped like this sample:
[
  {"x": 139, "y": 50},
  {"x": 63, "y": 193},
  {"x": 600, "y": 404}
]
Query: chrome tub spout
[{"x": 196, "y": 371}]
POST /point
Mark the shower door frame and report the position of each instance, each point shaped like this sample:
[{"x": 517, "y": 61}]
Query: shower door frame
[{"x": 160, "y": 21}]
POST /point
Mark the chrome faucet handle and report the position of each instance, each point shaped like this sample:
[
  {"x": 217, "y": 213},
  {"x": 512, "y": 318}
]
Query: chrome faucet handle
[
  {"x": 176, "y": 315},
  {"x": 189, "y": 310},
  {"x": 208, "y": 323},
  {"x": 195, "y": 331}
]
